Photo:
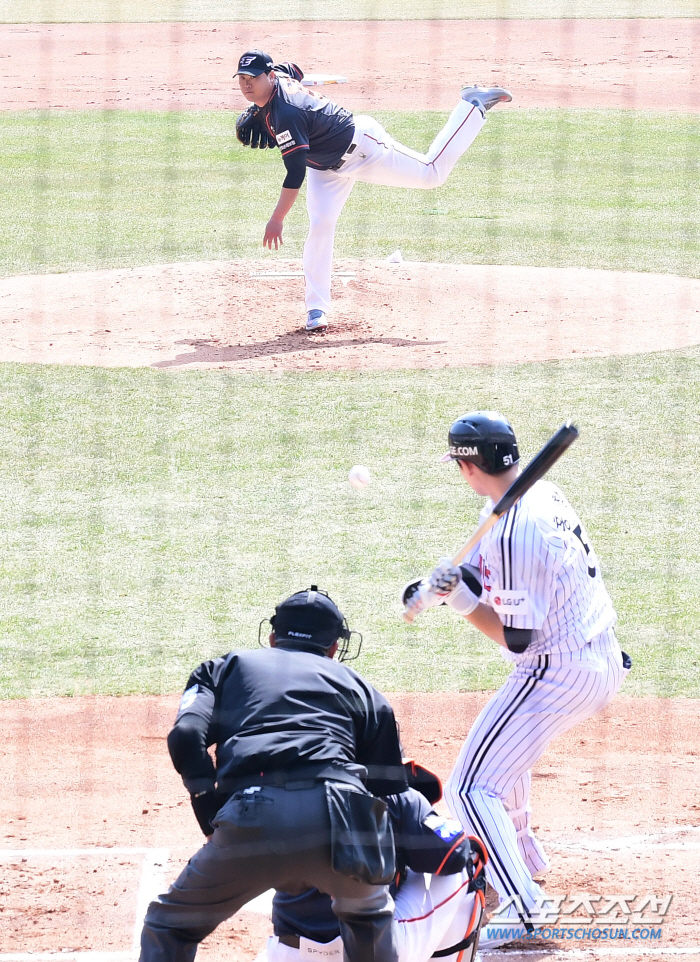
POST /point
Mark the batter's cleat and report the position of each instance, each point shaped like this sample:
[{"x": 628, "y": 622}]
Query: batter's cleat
[
  {"x": 486, "y": 97},
  {"x": 508, "y": 926},
  {"x": 316, "y": 321}
]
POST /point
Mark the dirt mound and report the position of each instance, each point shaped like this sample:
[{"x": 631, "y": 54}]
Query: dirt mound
[{"x": 248, "y": 316}]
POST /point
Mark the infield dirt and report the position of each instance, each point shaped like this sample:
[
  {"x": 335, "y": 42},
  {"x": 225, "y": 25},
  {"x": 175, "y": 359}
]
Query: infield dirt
[
  {"x": 415, "y": 315},
  {"x": 80, "y": 773},
  {"x": 395, "y": 65}
]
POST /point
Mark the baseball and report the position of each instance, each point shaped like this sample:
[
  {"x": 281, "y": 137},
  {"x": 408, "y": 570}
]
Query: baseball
[{"x": 359, "y": 477}]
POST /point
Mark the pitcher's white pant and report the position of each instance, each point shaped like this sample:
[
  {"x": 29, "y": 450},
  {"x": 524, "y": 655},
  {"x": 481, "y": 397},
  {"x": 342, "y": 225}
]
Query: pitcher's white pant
[
  {"x": 488, "y": 788},
  {"x": 431, "y": 912},
  {"x": 377, "y": 159}
]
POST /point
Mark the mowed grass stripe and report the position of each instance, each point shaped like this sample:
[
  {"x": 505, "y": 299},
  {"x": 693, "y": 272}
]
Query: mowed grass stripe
[
  {"x": 152, "y": 520},
  {"x": 140, "y": 11},
  {"x": 604, "y": 189}
]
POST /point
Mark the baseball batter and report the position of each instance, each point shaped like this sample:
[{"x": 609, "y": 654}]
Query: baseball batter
[
  {"x": 337, "y": 149},
  {"x": 537, "y": 592}
]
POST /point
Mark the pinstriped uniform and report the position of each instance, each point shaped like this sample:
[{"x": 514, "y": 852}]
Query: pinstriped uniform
[{"x": 539, "y": 572}]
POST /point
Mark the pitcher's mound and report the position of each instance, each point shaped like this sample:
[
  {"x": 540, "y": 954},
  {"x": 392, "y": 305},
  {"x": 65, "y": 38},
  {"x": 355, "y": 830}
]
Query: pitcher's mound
[{"x": 249, "y": 316}]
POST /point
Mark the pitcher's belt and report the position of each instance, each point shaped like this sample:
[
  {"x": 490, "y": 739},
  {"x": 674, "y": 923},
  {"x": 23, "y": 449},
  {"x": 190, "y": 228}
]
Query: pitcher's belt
[{"x": 351, "y": 148}]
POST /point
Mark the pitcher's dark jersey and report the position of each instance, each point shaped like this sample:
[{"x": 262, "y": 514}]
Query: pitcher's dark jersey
[{"x": 303, "y": 121}]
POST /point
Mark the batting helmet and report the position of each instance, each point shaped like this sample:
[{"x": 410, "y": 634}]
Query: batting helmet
[
  {"x": 311, "y": 620},
  {"x": 486, "y": 439}
]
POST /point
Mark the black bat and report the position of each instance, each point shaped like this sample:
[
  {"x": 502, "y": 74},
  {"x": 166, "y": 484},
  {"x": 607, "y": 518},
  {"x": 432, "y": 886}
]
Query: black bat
[{"x": 536, "y": 469}]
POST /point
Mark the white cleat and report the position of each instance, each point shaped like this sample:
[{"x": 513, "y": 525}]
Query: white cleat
[
  {"x": 486, "y": 97},
  {"x": 316, "y": 321}
]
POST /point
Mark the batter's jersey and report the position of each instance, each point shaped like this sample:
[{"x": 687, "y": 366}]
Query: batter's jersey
[
  {"x": 539, "y": 571},
  {"x": 302, "y": 120}
]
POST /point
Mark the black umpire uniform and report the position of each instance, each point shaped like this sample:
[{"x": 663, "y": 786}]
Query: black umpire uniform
[{"x": 303, "y": 746}]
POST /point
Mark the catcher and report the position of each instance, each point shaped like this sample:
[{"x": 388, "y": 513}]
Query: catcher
[
  {"x": 338, "y": 149},
  {"x": 437, "y": 915}
]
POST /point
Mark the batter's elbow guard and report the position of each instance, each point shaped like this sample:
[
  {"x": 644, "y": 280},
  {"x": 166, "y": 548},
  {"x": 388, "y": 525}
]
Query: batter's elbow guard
[{"x": 517, "y": 639}]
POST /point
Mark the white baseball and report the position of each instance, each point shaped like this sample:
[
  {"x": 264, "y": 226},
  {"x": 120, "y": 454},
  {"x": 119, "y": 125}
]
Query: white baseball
[{"x": 359, "y": 477}]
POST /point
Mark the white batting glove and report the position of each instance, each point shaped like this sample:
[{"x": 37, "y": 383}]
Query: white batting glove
[
  {"x": 418, "y": 595},
  {"x": 465, "y": 595},
  {"x": 445, "y": 577}
]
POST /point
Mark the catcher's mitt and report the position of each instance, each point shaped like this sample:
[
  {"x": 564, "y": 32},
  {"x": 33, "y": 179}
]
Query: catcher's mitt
[{"x": 252, "y": 131}]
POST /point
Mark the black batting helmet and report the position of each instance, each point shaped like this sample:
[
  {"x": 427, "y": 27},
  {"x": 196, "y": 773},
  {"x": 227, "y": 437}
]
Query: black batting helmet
[
  {"x": 311, "y": 620},
  {"x": 486, "y": 439}
]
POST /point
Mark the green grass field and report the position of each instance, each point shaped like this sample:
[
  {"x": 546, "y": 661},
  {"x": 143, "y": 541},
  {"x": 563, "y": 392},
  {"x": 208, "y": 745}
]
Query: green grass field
[
  {"x": 152, "y": 520},
  {"x": 541, "y": 187},
  {"x": 130, "y": 11}
]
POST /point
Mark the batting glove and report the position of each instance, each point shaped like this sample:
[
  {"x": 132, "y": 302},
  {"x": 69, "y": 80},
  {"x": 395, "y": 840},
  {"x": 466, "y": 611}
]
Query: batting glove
[
  {"x": 460, "y": 587},
  {"x": 445, "y": 577},
  {"x": 418, "y": 595}
]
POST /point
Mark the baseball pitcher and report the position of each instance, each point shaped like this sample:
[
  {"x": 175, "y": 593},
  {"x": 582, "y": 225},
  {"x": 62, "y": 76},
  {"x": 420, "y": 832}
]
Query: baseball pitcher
[{"x": 337, "y": 149}]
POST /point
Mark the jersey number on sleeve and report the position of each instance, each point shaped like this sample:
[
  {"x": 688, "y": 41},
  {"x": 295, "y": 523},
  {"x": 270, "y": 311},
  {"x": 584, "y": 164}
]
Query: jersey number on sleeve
[{"x": 590, "y": 556}]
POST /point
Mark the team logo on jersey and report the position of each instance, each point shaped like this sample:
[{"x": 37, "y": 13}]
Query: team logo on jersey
[
  {"x": 284, "y": 138},
  {"x": 445, "y": 828},
  {"x": 189, "y": 697},
  {"x": 511, "y": 602}
]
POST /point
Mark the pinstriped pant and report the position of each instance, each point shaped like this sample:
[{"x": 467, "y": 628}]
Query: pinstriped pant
[{"x": 543, "y": 697}]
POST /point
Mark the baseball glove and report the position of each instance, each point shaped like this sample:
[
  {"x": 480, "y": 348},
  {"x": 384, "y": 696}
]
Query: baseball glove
[
  {"x": 252, "y": 131},
  {"x": 423, "y": 780}
]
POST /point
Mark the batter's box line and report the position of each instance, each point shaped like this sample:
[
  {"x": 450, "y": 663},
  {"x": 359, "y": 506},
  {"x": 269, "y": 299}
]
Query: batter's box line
[
  {"x": 655, "y": 840},
  {"x": 152, "y": 881},
  {"x": 597, "y": 953}
]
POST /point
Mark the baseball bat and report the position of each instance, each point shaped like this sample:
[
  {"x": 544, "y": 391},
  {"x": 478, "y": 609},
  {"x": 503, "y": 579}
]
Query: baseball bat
[{"x": 536, "y": 469}]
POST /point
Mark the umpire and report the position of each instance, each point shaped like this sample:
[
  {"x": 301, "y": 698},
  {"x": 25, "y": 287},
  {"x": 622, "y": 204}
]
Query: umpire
[{"x": 303, "y": 745}]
